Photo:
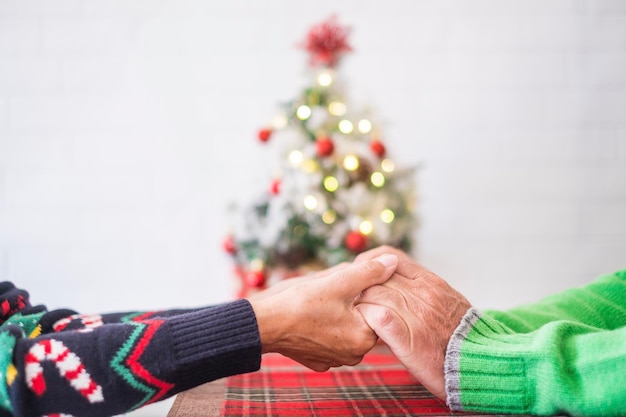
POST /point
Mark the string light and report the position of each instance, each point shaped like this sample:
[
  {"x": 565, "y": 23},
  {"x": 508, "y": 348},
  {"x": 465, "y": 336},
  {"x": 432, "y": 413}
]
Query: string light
[
  {"x": 310, "y": 202},
  {"x": 331, "y": 184},
  {"x": 329, "y": 216},
  {"x": 346, "y": 126},
  {"x": 324, "y": 78},
  {"x": 365, "y": 126},
  {"x": 387, "y": 215},
  {"x": 351, "y": 163},
  {"x": 310, "y": 166},
  {"x": 303, "y": 112},
  {"x": 377, "y": 179},
  {"x": 295, "y": 158},
  {"x": 257, "y": 264},
  {"x": 387, "y": 165},
  {"x": 366, "y": 227},
  {"x": 337, "y": 108}
]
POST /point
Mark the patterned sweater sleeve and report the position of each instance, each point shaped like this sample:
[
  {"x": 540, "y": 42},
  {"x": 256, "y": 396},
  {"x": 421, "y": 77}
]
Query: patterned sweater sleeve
[
  {"x": 60, "y": 362},
  {"x": 564, "y": 354}
]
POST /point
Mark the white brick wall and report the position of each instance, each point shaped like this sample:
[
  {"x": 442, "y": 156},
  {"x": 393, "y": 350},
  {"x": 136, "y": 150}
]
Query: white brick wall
[{"x": 127, "y": 126}]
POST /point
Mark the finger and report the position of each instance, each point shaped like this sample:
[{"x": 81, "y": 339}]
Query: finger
[
  {"x": 359, "y": 276},
  {"x": 407, "y": 267},
  {"x": 383, "y": 295},
  {"x": 373, "y": 253},
  {"x": 389, "y": 327}
]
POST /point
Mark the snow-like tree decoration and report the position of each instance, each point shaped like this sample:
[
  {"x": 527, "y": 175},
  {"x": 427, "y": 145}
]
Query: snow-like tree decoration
[{"x": 334, "y": 192}]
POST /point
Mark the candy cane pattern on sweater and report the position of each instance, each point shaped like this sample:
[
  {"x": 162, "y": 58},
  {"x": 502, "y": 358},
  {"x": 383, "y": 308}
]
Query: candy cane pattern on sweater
[
  {"x": 89, "y": 322},
  {"x": 68, "y": 364}
]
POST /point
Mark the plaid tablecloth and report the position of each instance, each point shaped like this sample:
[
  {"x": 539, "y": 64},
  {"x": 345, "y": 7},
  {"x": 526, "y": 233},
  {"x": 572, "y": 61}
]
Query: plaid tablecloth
[{"x": 379, "y": 386}]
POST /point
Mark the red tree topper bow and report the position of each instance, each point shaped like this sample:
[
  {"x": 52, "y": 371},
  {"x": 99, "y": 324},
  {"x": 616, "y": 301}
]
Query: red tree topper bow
[{"x": 326, "y": 42}]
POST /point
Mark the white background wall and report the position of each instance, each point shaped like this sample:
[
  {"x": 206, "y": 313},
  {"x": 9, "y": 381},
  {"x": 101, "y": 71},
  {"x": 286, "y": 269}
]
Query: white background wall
[{"x": 126, "y": 127}]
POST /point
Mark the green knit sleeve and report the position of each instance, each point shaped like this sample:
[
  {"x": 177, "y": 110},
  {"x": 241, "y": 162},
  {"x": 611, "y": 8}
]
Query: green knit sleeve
[
  {"x": 601, "y": 304},
  {"x": 532, "y": 361}
]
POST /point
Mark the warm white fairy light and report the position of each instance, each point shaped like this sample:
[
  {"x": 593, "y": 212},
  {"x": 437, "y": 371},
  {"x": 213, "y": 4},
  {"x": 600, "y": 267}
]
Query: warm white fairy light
[
  {"x": 331, "y": 184},
  {"x": 329, "y": 216},
  {"x": 310, "y": 202},
  {"x": 387, "y": 165},
  {"x": 365, "y": 126},
  {"x": 295, "y": 158},
  {"x": 337, "y": 108},
  {"x": 257, "y": 264},
  {"x": 324, "y": 78},
  {"x": 303, "y": 112},
  {"x": 387, "y": 215},
  {"x": 346, "y": 126},
  {"x": 351, "y": 163},
  {"x": 310, "y": 166},
  {"x": 377, "y": 179},
  {"x": 366, "y": 227}
]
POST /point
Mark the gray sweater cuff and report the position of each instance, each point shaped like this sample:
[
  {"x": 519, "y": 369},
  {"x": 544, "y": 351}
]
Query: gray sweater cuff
[{"x": 453, "y": 358}]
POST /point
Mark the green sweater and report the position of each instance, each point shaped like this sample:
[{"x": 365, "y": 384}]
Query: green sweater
[{"x": 563, "y": 354}]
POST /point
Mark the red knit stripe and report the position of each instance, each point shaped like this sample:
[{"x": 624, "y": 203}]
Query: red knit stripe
[
  {"x": 6, "y": 307},
  {"x": 86, "y": 392},
  {"x": 38, "y": 384},
  {"x": 61, "y": 324},
  {"x": 62, "y": 355},
  {"x": 31, "y": 358},
  {"x": 133, "y": 359},
  {"x": 74, "y": 373},
  {"x": 47, "y": 345}
]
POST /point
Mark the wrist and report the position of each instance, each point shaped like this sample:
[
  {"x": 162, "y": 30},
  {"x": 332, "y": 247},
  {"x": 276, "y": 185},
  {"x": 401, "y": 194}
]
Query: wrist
[{"x": 271, "y": 323}]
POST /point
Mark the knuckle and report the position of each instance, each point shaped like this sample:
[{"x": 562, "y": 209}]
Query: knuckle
[{"x": 383, "y": 317}]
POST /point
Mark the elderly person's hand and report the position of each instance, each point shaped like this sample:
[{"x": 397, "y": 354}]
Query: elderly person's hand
[
  {"x": 415, "y": 313},
  {"x": 315, "y": 322}
]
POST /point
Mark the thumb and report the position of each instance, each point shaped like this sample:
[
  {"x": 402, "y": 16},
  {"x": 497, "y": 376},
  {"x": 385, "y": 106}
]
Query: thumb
[{"x": 360, "y": 276}]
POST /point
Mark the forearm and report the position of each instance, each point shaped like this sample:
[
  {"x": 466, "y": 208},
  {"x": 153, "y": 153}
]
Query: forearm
[
  {"x": 598, "y": 304},
  {"x": 562, "y": 367}
]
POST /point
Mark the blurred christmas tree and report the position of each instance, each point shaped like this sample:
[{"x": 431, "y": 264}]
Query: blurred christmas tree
[{"x": 334, "y": 193}]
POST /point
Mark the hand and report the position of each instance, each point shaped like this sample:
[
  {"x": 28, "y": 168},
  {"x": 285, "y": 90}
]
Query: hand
[
  {"x": 415, "y": 313},
  {"x": 314, "y": 321},
  {"x": 290, "y": 282}
]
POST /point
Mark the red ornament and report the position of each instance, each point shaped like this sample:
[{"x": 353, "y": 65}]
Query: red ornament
[
  {"x": 229, "y": 245},
  {"x": 255, "y": 279},
  {"x": 356, "y": 241},
  {"x": 275, "y": 186},
  {"x": 378, "y": 148},
  {"x": 326, "y": 42},
  {"x": 264, "y": 134},
  {"x": 324, "y": 146}
]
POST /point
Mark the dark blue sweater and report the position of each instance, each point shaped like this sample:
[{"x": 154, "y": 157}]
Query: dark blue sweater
[{"x": 54, "y": 362}]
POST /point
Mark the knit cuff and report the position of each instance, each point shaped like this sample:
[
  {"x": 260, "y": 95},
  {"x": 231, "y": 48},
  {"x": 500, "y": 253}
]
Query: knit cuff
[
  {"x": 453, "y": 356},
  {"x": 483, "y": 368},
  {"x": 215, "y": 342}
]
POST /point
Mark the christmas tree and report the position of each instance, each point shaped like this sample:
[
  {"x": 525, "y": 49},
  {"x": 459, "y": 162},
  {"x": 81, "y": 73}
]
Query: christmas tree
[{"x": 334, "y": 190}]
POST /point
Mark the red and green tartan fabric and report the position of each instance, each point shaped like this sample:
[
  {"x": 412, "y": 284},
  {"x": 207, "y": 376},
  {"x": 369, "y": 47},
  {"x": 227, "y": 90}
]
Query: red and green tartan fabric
[{"x": 378, "y": 386}]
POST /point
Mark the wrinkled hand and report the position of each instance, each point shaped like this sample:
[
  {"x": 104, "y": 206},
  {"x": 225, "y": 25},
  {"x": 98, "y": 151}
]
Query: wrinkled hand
[
  {"x": 315, "y": 322},
  {"x": 415, "y": 313}
]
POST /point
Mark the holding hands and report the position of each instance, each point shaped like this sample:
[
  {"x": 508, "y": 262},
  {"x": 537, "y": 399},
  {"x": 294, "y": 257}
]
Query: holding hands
[
  {"x": 415, "y": 313},
  {"x": 315, "y": 321},
  {"x": 335, "y": 316}
]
